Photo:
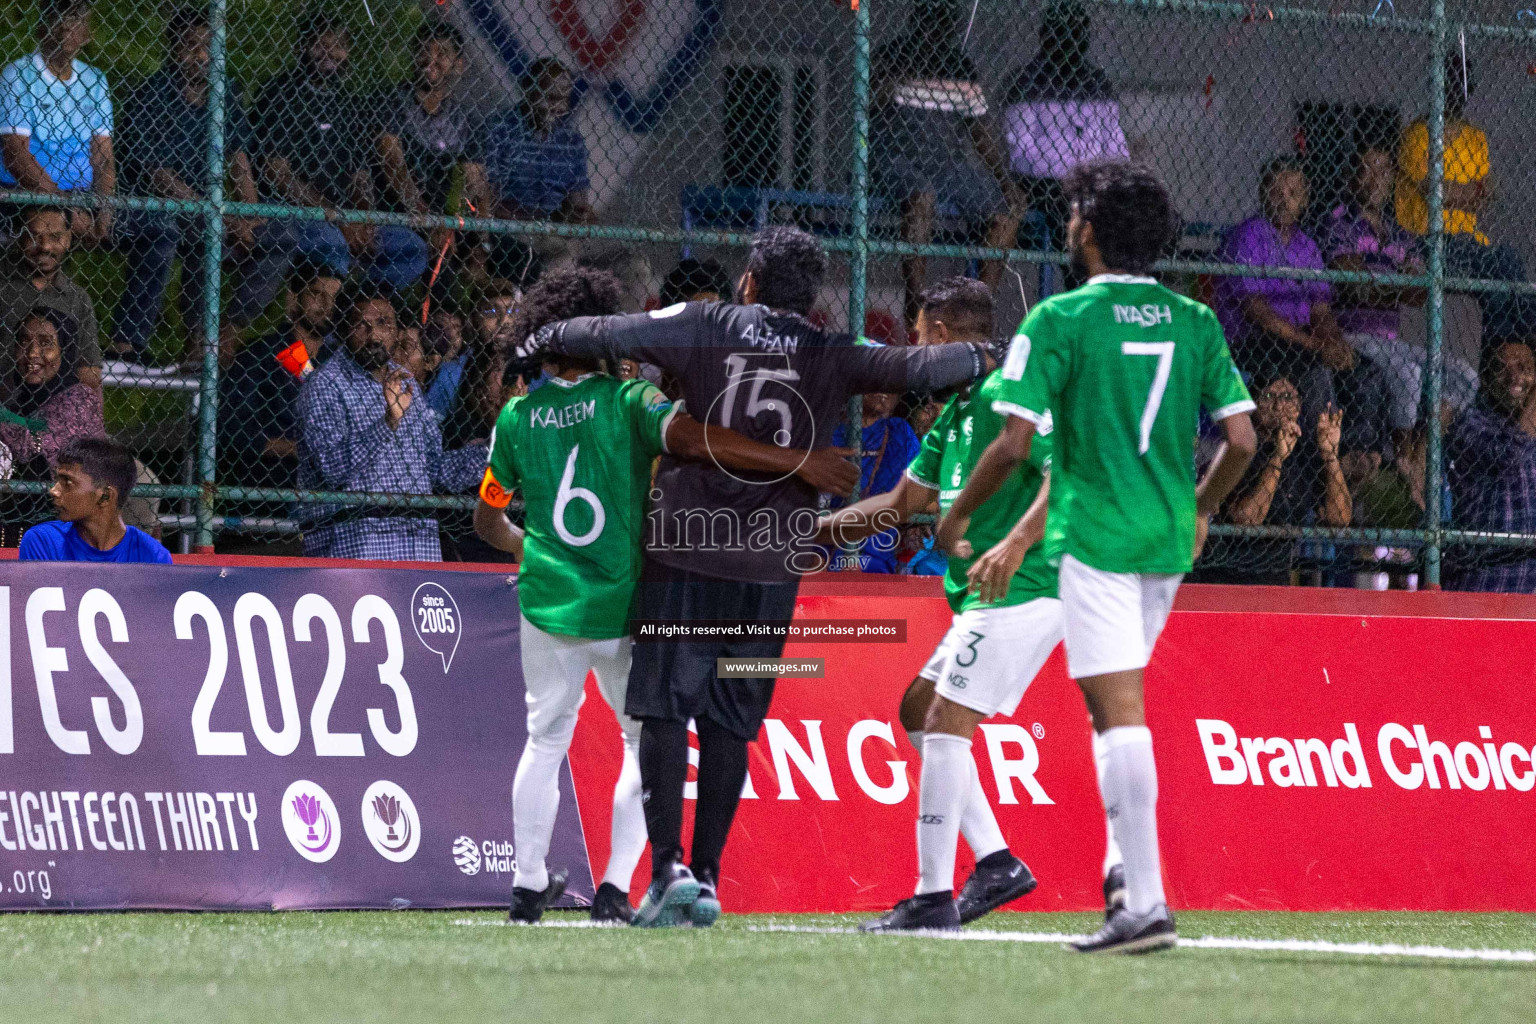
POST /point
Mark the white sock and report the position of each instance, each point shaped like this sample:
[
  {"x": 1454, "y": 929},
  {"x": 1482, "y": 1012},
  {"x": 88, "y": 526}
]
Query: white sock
[
  {"x": 627, "y": 839},
  {"x": 1112, "y": 856},
  {"x": 948, "y": 773},
  {"x": 1130, "y": 799},
  {"x": 977, "y": 822},
  {"x": 535, "y": 802}
]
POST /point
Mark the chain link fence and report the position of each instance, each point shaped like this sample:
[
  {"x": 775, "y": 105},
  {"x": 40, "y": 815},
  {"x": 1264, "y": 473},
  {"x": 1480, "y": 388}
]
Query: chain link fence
[{"x": 191, "y": 188}]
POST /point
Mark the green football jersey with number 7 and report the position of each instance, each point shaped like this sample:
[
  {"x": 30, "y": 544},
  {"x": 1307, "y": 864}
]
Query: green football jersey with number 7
[
  {"x": 580, "y": 453},
  {"x": 1124, "y": 366}
]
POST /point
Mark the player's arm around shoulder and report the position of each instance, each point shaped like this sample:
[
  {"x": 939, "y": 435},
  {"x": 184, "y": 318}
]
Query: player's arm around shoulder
[{"x": 825, "y": 469}]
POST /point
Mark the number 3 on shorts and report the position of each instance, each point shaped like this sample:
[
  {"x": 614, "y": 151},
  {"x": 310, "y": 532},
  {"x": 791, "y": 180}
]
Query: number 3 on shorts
[
  {"x": 960, "y": 659},
  {"x": 1164, "y": 352}
]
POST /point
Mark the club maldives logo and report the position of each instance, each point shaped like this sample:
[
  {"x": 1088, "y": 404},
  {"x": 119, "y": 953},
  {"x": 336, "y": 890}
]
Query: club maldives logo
[
  {"x": 492, "y": 856},
  {"x": 390, "y": 821},
  {"x": 466, "y": 855},
  {"x": 311, "y": 822}
]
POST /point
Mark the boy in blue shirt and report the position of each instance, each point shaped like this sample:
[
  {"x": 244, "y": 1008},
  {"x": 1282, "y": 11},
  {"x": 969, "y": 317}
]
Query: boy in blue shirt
[{"x": 93, "y": 478}]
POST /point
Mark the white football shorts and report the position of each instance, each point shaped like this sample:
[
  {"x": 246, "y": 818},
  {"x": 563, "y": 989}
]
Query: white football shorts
[
  {"x": 1113, "y": 619},
  {"x": 991, "y": 655}
]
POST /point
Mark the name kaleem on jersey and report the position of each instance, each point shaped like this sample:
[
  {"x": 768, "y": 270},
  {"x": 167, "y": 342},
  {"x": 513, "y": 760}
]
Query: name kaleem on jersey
[
  {"x": 1148, "y": 315},
  {"x": 564, "y": 416}
]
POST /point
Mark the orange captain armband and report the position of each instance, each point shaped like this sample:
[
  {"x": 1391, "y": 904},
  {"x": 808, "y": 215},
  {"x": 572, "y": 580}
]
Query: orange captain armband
[{"x": 491, "y": 491}]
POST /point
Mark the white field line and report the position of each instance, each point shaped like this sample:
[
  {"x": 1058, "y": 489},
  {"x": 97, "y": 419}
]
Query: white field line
[
  {"x": 1523, "y": 956},
  {"x": 502, "y": 922}
]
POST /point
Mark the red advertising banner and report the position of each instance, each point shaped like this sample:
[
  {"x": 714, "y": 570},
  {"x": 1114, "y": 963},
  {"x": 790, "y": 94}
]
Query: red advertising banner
[{"x": 1316, "y": 751}]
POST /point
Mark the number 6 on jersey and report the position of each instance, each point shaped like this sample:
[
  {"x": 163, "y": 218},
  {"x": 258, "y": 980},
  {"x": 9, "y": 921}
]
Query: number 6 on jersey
[{"x": 567, "y": 494}]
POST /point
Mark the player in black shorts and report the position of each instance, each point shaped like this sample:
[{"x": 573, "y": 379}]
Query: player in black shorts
[{"x": 733, "y": 546}]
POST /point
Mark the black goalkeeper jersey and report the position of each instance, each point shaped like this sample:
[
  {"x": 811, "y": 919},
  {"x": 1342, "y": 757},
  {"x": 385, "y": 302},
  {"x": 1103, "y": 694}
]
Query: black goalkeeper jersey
[{"x": 773, "y": 377}]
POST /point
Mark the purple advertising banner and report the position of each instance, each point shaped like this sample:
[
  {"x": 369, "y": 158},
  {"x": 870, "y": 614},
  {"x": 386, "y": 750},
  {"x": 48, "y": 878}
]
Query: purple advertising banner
[{"x": 252, "y": 738}]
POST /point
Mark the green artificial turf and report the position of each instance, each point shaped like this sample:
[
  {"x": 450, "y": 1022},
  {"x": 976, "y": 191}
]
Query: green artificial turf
[{"x": 429, "y": 966}]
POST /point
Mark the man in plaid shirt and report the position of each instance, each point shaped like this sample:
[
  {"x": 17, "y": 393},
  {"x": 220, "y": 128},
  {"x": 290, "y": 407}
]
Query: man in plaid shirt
[
  {"x": 1491, "y": 458},
  {"x": 367, "y": 428}
]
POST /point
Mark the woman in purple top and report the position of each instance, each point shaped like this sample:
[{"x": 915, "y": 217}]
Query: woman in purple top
[
  {"x": 1282, "y": 326},
  {"x": 49, "y": 406},
  {"x": 1363, "y": 236}
]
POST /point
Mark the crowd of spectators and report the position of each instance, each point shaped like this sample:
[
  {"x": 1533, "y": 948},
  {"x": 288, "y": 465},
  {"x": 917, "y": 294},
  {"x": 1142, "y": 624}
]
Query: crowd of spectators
[{"x": 372, "y": 358}]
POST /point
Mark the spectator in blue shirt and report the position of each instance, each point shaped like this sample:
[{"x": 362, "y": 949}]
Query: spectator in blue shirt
[
  {"x": 366, "y": 428},
  {"x": 889, "y": 446},
  {"x": 165, "y": 153},
  {"x": 538, "y": 157},
  {"x": 56, "y": 118},
  {"x": 93, "y": 478}
]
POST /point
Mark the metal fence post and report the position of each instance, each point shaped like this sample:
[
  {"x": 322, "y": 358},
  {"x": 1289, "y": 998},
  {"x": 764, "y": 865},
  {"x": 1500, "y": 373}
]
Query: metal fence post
[
  {"x": 1435, "y": 362},
  {"x": 858, "y": 263},
  {"x": 213, "y": 259}
]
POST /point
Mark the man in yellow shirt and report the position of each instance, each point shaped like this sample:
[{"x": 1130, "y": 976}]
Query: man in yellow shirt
[{"x": 1469, "y": 251}]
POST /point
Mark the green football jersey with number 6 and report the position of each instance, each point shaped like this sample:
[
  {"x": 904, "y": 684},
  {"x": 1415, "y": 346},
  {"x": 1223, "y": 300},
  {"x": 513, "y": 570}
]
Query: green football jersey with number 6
[
  {"x": 580, "y": 453},
  {"x": 1124, "y": 367}
]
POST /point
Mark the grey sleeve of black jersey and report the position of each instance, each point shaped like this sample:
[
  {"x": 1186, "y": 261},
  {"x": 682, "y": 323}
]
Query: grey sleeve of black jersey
[
  {"x": 888, "y": 369},
  {"x": 664, "y": 336}
]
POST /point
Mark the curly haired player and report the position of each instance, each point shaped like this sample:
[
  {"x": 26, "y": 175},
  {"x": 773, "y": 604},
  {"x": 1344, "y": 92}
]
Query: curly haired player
[{"x": 580, "y": 449}]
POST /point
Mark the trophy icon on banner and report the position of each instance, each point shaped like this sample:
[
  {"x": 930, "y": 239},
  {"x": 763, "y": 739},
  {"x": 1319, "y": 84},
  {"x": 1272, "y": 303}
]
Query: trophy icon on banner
[
  {"x": 388, "y": 810},
  {"x": 307, "y": 807}
]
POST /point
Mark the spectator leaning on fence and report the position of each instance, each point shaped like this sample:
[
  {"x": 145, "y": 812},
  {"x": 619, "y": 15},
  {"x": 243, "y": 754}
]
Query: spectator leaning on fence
[
  {"x": 367, "y": 429},
  {"x": 56, "y": 118},
  {"x": 93, "y": 478},
  {"x": 164, "y": 137},
  {"x": 1295, "y": 479},
  {"x": 259, "y": 393},
  {"x": 1470, "y": 251},
  {"x": 426, "y": 134},
  {"x": 34, "y": 278},
  {"x": 1490, "y": 456},
  {"x": 311, "y": 150},
  {"x": 928, "y": 115},
  {"x": 1060, "y": 111}
]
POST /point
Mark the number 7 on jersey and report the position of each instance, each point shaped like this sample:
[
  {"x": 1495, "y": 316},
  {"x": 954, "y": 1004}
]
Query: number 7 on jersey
[{"x": 1163, "y": 350}]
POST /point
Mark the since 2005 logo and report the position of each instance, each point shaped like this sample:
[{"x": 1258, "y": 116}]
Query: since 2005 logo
[
  {"x": 310, "y": 821},
  {"x": 439, "y": 626},
  {"x": 391, "y": 822}
]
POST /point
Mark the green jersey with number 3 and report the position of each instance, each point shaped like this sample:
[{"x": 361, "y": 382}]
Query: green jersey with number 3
[
  {"x": 1124, "y": 367},
  {"x": 581, "y": 455},
  {"x": 951, "y": 448}
]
